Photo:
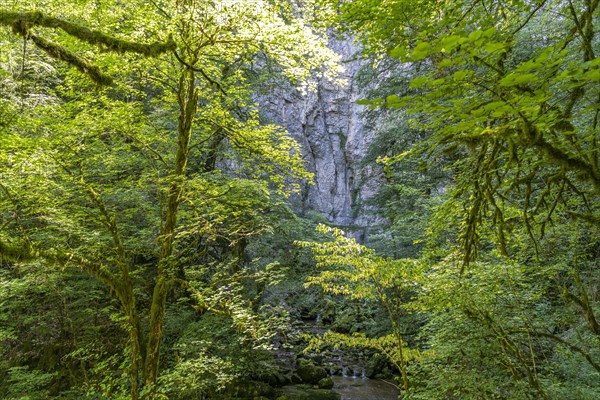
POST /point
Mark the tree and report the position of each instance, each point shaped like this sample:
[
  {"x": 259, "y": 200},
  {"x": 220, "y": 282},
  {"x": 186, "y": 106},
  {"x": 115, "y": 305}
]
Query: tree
[
  {"x": 101, "y": 178},
  {"x": 489, "y": 85},
  {"x": 355, "y": 271},
  {"x": 506, "y": 95}
]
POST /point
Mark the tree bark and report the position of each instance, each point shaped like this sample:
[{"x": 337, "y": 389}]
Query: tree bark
[{"x": 188, "y": 103}]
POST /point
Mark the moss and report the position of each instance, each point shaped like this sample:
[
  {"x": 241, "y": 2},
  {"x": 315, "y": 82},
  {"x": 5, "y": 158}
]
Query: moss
[
  {"x": 325, "y": 383},
  {"x": 22, "y": 23},
  {"x": 305, "y": 392},
  {"x": 309, "y": 372},
  {"x": 61, "y": 53},
  {"x": 9, "y": 252},
  {"x": 253, "y": 389}
]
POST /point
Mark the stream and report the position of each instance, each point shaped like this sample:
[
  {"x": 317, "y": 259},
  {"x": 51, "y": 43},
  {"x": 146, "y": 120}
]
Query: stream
[{"x": 364, "y": 389}]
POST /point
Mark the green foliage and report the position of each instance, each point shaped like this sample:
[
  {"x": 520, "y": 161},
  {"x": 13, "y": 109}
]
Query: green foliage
[
  {"x": 24, "y": 384},
  {"x": 143, "y": 223},
  {"x": 502, "y": 99},
  {"x": 209, "y": 356},
  {"x": 153, "y": 184},
  {"x": 355, "y": 271},
  {"x": 494, "y": 326},
  {"x": 491, "y": 89}
]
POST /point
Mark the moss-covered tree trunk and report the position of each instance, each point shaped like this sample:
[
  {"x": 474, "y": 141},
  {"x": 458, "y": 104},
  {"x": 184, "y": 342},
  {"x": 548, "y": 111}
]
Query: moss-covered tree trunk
[
  {"x": 188, "y": 100},
  {"x": 135, "y": 335}
]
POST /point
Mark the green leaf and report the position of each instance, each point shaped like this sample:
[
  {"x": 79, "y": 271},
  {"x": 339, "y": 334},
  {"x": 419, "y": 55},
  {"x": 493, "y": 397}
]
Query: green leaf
[
  {"x": 475, "y": 35},
  {"x": 492, "y": 47},
  {"x": 446, "y": 62},
  {"x": 500, "y": 111},
  {"x": 392, "y": 100},
  {"x": 421, "y": 51},
  {"x": 449, "y": 43},
  {"x": 398, "y": 52},
  {"x": 488, "y": 33},
  {"x": 518, "y": 79},
  {"x": 460, "y": 75},
  {"x": 419, "y": 82},
  {"x": 592, "y": 75}
]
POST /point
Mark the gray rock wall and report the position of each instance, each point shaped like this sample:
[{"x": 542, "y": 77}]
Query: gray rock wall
[{"x": 328, "y": 125}]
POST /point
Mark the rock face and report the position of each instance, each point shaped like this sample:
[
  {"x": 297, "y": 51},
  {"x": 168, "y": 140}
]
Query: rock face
[{"x": 328, "y": 125}]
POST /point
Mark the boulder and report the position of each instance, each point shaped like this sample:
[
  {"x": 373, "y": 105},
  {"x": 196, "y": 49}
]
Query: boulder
[
  {"x": 325, "y": 383},
  {"x": 276, "y": 379},
  {"x": 305, "y": 392},
  {"x": 309, "y": 372},
  {"x": 253, "y": 389},
  {"x": 376, "y": 365}
]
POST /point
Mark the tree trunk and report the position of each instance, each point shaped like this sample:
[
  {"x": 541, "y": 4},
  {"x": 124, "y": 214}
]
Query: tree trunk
[{"x": 188, "y": 101}]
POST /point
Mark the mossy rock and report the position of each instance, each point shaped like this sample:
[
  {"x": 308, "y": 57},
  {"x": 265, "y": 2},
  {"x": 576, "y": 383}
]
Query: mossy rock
[
  {"x": 335, "y": 370},
  {"x": 276, "y": 379},
  {"x": 306, "y": 392},
  {"x": 376, "y": 364},
  {"x": 309, "y": 372},
  {"x": 253, "y": 390},
  {"x": 295, "y": 378},
  {"x": 325, "y": 383}
]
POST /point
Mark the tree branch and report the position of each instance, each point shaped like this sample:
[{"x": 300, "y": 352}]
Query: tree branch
[
  {"x": 22, "y": 23},
  {"x": 201, "y": 71}
]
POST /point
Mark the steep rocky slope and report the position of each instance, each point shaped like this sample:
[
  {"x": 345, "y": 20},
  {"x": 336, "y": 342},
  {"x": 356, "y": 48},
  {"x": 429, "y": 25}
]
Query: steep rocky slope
[{"x": 334, "y": 139}]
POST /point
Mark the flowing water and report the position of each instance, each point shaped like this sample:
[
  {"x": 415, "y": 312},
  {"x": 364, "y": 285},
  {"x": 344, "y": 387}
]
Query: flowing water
[{"x": 364, "y": 389}]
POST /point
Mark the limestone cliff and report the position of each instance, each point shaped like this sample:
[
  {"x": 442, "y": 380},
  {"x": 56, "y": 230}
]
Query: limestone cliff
[{"x": 328, "y": 125}]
